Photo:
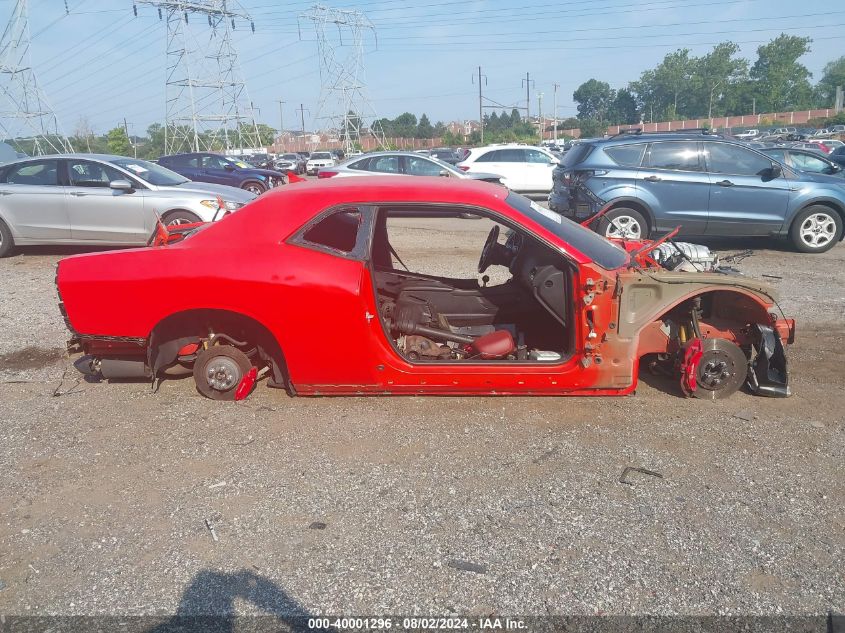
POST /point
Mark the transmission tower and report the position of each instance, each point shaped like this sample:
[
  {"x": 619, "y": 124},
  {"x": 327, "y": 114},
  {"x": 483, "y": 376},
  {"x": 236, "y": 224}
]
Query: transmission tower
[
  {"x": 207, "y": 105},
  {"x": 26, "y": 119},
  {"x": 343, "y": 103}
]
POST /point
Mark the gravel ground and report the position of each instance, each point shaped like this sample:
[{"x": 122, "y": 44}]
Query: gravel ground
[{"x": 420, "y": 505}]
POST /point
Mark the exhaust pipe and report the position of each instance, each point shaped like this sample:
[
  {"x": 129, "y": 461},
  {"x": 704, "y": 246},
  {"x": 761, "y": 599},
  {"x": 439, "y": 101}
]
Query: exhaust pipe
[{"x": 112, "y": 368}]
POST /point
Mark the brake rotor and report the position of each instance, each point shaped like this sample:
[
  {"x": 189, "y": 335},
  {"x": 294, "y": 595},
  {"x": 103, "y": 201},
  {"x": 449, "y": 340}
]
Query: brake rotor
[{"x": 721, "y": 371}]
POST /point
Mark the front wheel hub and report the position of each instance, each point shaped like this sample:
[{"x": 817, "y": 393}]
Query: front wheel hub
[
  {"x": 222, "y": 374},
  {"x": 722, "y": 369}
]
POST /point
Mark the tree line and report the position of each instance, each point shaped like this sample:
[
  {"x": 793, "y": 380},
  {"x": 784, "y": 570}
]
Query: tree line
[{"x": 717, "y": 84}]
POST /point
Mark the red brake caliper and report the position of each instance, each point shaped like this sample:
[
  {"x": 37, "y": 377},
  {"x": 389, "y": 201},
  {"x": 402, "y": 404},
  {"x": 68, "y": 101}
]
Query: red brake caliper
[
  {"x": 246, "y": 384},
  {"x": 693, "y": 352}
]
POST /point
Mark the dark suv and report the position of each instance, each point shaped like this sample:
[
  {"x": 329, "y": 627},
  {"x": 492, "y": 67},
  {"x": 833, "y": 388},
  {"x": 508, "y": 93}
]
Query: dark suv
[
  {"x": 208, "y": 167},
  {"x": 701, "y": 182}
]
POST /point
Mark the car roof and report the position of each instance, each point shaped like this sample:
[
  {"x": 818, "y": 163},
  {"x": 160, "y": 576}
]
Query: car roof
[
  {"x": 305, "y": 200},
  {"x": 391, "y": 153},
  {"x": 646, "y": 137}
]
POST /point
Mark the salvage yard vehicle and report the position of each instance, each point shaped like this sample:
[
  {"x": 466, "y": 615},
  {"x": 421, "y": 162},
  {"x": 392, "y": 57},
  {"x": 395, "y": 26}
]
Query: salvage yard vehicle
[
  {"x": 100, "y": 200},
  {"x": 527, "y": 170},
  {"x": 318, "y": 160},
  {"x": 223, "y": 170},
  {"x": 311, "y": 298},
  {"x": 401, "y": 164},
  {"x": 703, "y": 182}
]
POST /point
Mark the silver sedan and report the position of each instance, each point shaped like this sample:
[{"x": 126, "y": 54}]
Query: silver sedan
[
  {"x": 96, "y": 199},
  {"x": 401, "y": 164}
]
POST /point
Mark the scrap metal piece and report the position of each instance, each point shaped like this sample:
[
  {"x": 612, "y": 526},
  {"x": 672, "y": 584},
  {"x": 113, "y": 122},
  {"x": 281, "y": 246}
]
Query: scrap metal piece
[
  {"x": 628, "y": 469},
  {"x": 421, "y": 347},
  {"x": 464, "y": 565},
  {"x": 768, "y": 374},
  {"x": 211, "y": 529}
]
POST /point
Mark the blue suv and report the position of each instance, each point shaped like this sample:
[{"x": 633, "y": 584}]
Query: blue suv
[
  {"x": 209, "y": 167},
  {"x": 702, "y": 182}
]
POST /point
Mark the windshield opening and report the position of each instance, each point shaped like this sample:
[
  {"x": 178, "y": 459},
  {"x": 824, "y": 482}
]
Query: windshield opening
[
  {"x": 237, "y": 163},
  {"x": 150, "y": 172},
  {"x": 603, "y": 252}
]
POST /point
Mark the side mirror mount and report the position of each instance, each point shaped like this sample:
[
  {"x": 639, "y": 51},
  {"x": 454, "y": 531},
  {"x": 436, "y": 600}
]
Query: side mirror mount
[
  {"x": 444, "y": 173},
  {"x": 775, "y": 171},
  {"x": 229, "y": 167},
  {"x": 121, "y": 185}
]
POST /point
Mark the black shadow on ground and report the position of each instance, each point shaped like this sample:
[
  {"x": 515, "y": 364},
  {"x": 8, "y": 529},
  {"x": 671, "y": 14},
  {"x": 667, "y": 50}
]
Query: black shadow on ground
[{"x": 208, "y": 605}]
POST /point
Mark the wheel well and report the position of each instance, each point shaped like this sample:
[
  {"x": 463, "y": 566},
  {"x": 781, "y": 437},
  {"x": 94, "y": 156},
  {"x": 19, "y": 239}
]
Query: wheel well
[
  {"x": 172, "y": 332},
  {"x": 637, "y": 206},
  {"x": 252, "y": 181},
  {"x": 172, "y": 211},
  {"x": 724, "y": 314}
]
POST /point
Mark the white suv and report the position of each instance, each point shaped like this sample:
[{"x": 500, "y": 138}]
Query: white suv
[{"x": 524, "y": 169}]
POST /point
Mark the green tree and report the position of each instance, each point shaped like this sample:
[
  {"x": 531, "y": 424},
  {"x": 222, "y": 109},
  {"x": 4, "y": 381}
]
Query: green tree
[
  {"x": 493, "y": 123},
  {"x": 153, "y": 145},
  {"x": 405, "y": 125},
  {"x": 623, "y": 110},
  {"x": 424, "y": 127},
  {"x": 386, "y": 126},
  {"x": 661, "y": 91},
  {"x": 591, "y": 128},
  {"x": 568, "y": 124},
  {"x": 266, "y": 134},
  {"x": 118, "y": 142},
  {"x": 780, "y": 82},
  {"x": 439, "y": 129},
  {"x": 832, "y": 76},
  {"x": 594, "y": 99},
  {"x": 450, "y": 139},
  {"x": 714, "y": 76}
]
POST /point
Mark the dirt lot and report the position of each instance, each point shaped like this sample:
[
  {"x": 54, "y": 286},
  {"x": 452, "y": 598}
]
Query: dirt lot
[{"x": 420, "y": 505}]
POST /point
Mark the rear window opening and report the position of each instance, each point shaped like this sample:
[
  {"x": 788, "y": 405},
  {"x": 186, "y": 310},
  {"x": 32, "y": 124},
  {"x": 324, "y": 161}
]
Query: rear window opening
[{"x": 576, "y": 155}]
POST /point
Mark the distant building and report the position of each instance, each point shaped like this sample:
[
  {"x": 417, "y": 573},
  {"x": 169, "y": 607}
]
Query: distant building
[{"x": 463, "y": 128}]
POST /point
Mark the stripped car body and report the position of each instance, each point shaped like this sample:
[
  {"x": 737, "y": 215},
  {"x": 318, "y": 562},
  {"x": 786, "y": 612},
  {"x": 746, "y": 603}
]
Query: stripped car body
[{"x": 310, "y": 298}]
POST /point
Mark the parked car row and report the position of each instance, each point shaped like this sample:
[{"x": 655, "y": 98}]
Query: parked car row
[{"x": 790, "y": 133}]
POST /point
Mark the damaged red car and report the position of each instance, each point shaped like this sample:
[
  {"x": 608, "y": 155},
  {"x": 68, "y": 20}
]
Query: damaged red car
[{"x": 346, "y": 286}]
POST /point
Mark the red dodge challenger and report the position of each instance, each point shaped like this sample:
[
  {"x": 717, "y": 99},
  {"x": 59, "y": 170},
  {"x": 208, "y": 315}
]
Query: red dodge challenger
[{"x": 305, "y": 287}]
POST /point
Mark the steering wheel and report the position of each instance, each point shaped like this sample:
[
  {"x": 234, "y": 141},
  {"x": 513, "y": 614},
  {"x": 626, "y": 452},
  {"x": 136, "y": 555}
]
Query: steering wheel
[{"x": 489, "y": 246}]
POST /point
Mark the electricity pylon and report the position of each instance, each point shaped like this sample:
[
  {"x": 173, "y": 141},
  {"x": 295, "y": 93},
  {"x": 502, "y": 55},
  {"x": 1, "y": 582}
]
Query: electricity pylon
[
  {"x": 343, "y": 102},
  {"x": 207, "y": 105},
  {"x": 26, "y": 119}
]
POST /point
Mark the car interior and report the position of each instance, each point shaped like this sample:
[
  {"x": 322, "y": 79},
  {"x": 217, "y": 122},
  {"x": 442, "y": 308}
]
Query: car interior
[{"x": 525, "y": 315}]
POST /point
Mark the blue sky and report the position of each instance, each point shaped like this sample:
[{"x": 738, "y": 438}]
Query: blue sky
[{"x": 102, "y": 63}]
